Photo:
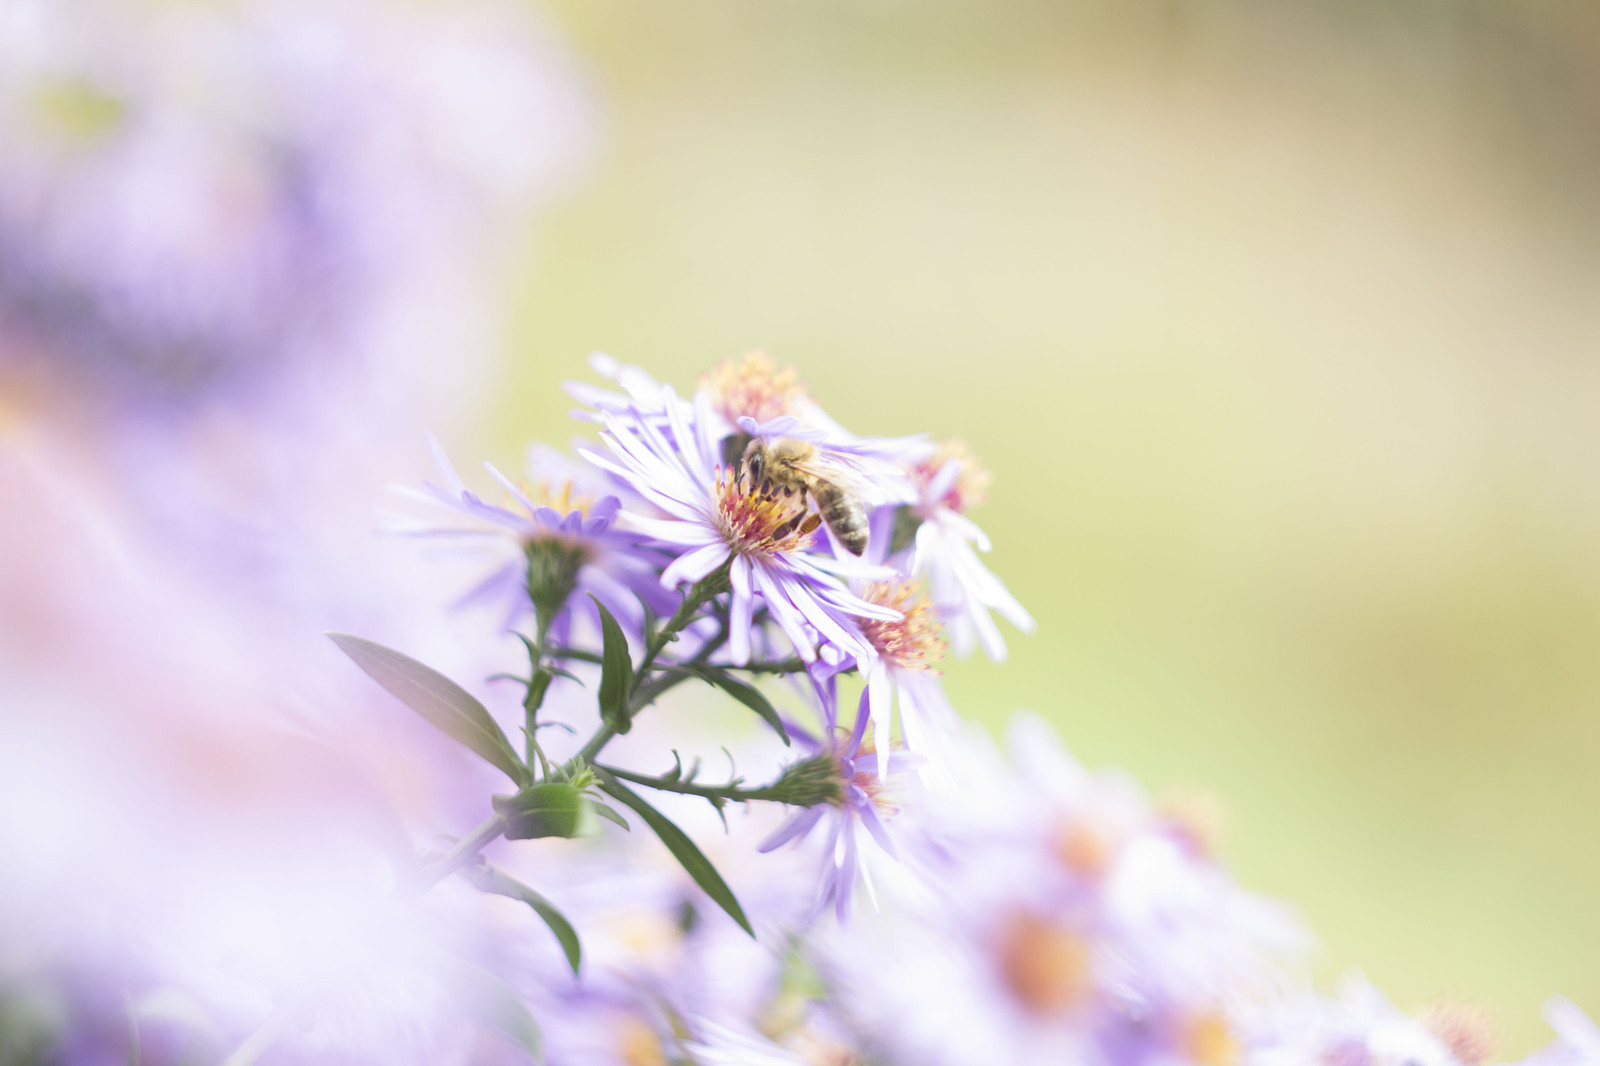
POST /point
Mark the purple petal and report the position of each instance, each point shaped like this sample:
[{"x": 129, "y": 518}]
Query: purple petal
[
  {"x": 847, "y": 874},
  {"x": 668, "y": 530},
  {"x": 863, "y": 712},
  {"x": 940, "y": 484},
  {"x": 879, "y": 695},
  {"x": 451, "y": 478},
  {"x": 740, "y": 611},
  {"x": 797, "y": 825},
  {"x": 874, "y": 825},
  {"x": 694, "y": 565},
  {"x": 784, "y": 613},
  {"x": 506, "y": 484}
]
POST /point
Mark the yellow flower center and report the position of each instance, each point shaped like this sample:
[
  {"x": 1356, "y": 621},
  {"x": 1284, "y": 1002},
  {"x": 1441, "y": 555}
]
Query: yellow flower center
[
  {"x": 558, "y": 496},
  {"x": 915, "y": 640},
  {"x": 1208, "y": 1040},
  {"x": 753, "y": 386},
  {"x": 638, "y": 1044},
  {"x": 761, "y": 523}
]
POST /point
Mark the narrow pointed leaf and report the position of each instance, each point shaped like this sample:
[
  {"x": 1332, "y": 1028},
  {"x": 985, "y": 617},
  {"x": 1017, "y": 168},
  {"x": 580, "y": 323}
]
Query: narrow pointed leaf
[
  {"x": 616, "y": 672},
  {"x": 488, "y": 879},
  {"x": 748, "y": 695},
  {"x": 610, "y": 815},
  {"x": 438, "y": 699},
  {"x": 683, "y": 849}
]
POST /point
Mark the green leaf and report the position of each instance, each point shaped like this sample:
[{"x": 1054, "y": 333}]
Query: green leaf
[
  {"x": 748, "y": 695},
  {"x": 616, "y": 673},
  {"x": 438, "y": 699},
  {"x": 533, "y": 649},
  {"x": 610, "y": 815},
  {"x": 551, "y": 809},
  {"x": 683, "y": 849},
  {"x": 488, "y": 879}
]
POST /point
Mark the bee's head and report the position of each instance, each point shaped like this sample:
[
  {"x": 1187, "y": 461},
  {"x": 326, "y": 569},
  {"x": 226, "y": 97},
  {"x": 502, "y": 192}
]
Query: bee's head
[{"x": 755, "y": 464}]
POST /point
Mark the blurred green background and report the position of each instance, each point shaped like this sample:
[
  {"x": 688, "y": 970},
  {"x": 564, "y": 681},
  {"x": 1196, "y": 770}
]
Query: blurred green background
[{"x": 1276, "y": 322}]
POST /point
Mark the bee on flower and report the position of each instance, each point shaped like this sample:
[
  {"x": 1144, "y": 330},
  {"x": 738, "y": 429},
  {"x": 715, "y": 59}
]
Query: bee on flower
[{"x": 714, "y": 516}]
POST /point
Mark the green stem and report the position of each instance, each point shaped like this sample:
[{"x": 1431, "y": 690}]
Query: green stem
[
  {"x": 640, "y": 695},
  {"x": 703, "y": 592},
  {"x": 538, "y": 685},
  {"x": 792, "y": 665},
  {"x": 464, "y": 852},
  {"x": 730, "y": 791}
]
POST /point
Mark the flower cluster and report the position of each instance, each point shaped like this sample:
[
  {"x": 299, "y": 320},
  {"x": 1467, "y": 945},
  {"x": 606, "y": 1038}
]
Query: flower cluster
[
  {"x": 1021, "y": 908},
  {"x": 890, "y": 889}
]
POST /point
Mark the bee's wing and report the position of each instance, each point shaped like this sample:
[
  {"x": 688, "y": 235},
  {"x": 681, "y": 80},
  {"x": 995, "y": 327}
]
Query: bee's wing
[{"x": 856, "y": 475}]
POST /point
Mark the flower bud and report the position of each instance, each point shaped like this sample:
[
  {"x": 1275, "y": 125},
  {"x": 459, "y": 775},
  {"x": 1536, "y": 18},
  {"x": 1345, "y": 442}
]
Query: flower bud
[
  {"x": 551, "y": 809},
  {"x": 553, "y": 564}
]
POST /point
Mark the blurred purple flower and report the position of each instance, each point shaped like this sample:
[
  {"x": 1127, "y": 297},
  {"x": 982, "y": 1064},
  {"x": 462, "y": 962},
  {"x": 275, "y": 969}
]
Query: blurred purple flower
[
  {"x": 1360, "y": 1027},
  {"x": 1055, "y": 918},
  {"x": 193, "y": 198}
]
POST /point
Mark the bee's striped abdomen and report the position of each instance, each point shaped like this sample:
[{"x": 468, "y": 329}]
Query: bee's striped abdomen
[{"x": 844, "y": 515}]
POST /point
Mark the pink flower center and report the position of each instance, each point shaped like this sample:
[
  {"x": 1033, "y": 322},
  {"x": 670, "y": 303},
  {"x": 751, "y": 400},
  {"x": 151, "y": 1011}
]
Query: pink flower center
[{"x": 971, "y": 486}]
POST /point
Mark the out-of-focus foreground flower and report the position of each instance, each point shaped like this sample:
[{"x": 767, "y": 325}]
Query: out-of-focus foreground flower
[{"x": 233, "y": 240}]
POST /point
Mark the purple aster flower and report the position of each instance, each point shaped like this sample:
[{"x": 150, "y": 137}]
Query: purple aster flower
[
  {"x": 863, "y": 799},
  {"x": 753, "y": 397},
  {"x": 642, "y": 396},
  {"x": 559, "y": 544},
  {"x": 715, "y": 515},
  {"x": 947, "y": 543},
  {"x": 903, "y": 669}
]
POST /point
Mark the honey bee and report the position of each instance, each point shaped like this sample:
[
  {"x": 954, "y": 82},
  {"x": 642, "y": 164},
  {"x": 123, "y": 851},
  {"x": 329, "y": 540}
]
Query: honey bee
[{"x": 787, "y": 465}]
